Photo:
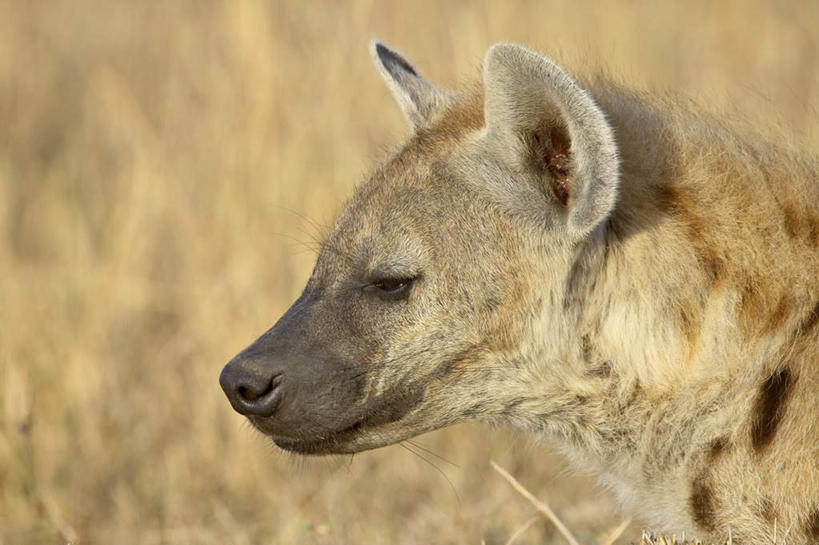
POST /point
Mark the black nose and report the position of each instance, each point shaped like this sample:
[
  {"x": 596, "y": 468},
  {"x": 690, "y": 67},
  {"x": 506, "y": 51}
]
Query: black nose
[{"x": 251, "y": 389}]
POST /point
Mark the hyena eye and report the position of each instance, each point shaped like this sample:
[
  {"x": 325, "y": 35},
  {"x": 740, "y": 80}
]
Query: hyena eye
[{"x": 390, "y": 289}]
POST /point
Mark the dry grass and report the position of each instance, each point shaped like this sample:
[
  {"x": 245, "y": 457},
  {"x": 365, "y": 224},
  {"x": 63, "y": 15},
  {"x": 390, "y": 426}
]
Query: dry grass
[{"x": 165, "y": 168}]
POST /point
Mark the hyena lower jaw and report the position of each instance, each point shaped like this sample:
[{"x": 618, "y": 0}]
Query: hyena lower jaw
[{"x": 629, "y": 279}]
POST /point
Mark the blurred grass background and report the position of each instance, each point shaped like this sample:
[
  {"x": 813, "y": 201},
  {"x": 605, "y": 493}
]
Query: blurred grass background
[{"x": 165, "y": 169}]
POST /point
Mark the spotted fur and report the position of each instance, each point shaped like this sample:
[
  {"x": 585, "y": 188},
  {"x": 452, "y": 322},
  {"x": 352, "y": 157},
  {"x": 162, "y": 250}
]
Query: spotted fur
[
  {"x": 634, "y": 280},
  {"x": 770, "y": 407}
]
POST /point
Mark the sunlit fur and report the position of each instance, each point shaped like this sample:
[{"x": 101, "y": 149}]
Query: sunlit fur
[{"x": 669, "y": 345}]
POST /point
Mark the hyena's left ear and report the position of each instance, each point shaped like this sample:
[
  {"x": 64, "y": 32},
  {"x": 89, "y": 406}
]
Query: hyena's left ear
[
  {"x": 418, "y": 99},
  {"x": 540, "y": 118}
]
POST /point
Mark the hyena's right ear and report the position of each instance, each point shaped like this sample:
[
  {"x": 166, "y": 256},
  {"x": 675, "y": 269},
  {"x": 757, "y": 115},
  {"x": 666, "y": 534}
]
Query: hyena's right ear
[
  {"x": 538, "y": 117},
  {"x": 418, "y": 99}
]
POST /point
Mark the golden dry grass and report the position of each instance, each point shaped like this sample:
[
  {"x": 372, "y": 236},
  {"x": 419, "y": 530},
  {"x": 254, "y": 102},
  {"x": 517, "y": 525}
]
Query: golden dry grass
[{"x": 164, "y": 170}]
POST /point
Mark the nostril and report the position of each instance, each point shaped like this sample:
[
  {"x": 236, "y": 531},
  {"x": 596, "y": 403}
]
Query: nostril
[
  {"x": 252, "y": 392},
  {"x": 246, "y": 394},
  {"x": 250, "y": 388}
]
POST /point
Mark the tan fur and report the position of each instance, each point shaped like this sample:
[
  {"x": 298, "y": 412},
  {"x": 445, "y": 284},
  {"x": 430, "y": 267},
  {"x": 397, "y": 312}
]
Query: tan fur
[
  {"x": 670, "y": 344},
  {"x": 701, "y": 250}
]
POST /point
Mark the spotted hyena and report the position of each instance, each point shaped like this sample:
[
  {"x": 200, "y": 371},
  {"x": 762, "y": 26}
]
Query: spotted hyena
[{"x": 630, "y": 279}]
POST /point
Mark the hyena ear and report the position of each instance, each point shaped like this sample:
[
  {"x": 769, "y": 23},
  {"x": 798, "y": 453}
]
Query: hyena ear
[
  {"x": 540, "y": 118},
  {"x": 419, "y": 100}
]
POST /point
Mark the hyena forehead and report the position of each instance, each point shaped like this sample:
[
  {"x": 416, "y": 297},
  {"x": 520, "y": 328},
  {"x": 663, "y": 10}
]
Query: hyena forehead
[
  {"x": 415, "y": 201},
  {"x": 388, "y": 228}
]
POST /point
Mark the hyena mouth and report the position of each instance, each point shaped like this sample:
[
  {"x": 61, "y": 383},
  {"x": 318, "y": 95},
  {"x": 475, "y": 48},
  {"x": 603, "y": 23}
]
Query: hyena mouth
[
  {"x": 340, "y": 442},
  {"x": 364, "y": 434}
]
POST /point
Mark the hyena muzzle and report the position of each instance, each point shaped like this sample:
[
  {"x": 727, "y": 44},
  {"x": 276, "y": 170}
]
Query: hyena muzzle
[{"x": 630, "y": 278}]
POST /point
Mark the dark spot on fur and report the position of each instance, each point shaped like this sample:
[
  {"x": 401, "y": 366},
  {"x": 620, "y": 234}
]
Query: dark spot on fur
[
  {"x": 476, "y": 410},
  {"x": 689, "y": 322},
  {"x": 780, "y": 314},
  {"x": 667, "y": 199},
  {"x": 702, "y": 499},
  {"x": 702, "y": 503},
  {"x": 790, "y": 221},
  {"x": 810, "y": 320},
  {"x": 761, "y": 308},
  {"x": 602, "y": 371},
  {"x": 675, "y": 203},
  {"x": 635, "y": 394},
  {"x": 769, "y": 408},
  {"x": 800, "y": 226},
  {"x": 459, "y": 361},
  {"x": 716, "y": 448},
  {"x": 513, "y": 404},
  {"x": 586, "y": 348},
  {"x": 750, "y": 305},
  {"x": 812, "y": 527},
  {"x": 715, "y": 267},
  {"x": 766, "y": 509},
  {"x": 493, "y": 302}
]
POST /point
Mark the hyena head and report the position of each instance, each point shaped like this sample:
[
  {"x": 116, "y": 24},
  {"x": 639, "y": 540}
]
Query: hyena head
[{"x": 439, "y": 295}]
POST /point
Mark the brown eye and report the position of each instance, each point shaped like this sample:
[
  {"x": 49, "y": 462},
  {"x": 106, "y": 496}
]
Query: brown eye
[
  {"x": 390, "y": 289},
  {"x": 391, "y": 284}
]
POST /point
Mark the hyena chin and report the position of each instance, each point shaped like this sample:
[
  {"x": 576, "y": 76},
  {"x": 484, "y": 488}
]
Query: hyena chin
[{"x": 631, "y": 279}]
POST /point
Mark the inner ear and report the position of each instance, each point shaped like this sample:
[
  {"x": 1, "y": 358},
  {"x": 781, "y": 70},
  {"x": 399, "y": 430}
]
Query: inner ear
[{"x": 553, "y": 149}]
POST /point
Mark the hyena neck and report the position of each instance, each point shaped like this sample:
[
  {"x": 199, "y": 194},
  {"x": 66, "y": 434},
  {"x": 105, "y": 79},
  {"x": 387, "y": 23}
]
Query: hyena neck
[{"x": 618, "y": 380}]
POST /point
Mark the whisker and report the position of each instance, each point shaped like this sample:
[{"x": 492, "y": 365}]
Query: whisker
[
  {"x": 309, "y": 246},
  {"x": 319, "y": 229},
  {"x": 438, "y": 469},
  {"x": 431, "y": 453}
]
